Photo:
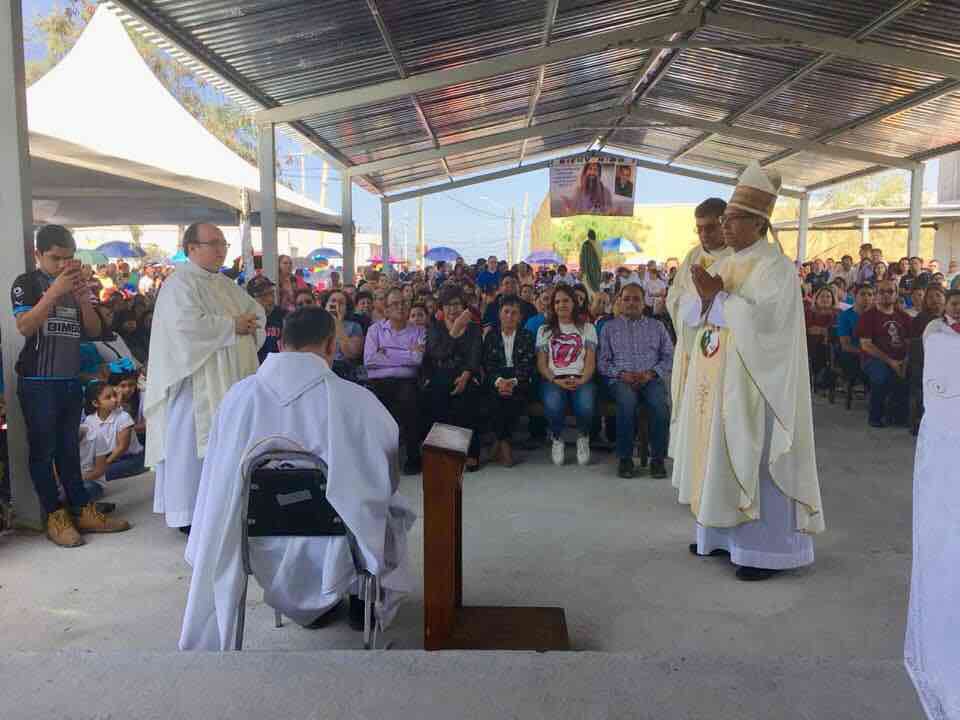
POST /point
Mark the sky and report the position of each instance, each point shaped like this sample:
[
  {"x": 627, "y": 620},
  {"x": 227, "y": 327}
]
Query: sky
[{"x": 471, "y": 220}]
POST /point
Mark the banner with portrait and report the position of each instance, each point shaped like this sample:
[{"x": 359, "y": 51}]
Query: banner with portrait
[{"x": 592, "y": 184}]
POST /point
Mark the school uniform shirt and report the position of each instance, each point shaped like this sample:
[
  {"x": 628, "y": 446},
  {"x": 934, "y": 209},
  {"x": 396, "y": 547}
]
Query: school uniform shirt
[{"x": 92, "y": 446}]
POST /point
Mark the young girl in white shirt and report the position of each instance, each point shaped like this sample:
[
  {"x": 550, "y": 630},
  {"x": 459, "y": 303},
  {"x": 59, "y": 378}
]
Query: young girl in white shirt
[{"x": 107, "y": 421}]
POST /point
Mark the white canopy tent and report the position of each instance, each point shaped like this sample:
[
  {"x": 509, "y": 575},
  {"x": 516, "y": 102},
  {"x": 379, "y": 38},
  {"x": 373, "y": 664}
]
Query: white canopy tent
[{"x": 111, "y": 146}]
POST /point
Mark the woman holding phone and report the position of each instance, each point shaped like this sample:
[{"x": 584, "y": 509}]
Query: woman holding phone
[{"x": 567, "y": 359}]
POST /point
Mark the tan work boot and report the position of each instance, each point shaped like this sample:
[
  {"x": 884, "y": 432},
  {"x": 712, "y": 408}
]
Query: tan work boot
[
  {"x": 91, "y": 520},
  {"x": 61, "y": 530}
]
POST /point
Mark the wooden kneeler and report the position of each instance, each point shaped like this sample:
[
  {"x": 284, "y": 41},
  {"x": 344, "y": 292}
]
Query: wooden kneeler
[{"x": 448, "y": 625}]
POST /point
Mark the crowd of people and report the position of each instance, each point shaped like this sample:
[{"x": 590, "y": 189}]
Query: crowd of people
[{"x": 479, "y": 345}]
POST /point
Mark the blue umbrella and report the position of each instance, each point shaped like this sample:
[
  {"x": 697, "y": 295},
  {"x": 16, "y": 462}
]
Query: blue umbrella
[
  {"x": 324, "y": 253},
  {"x": 619, "y": 245},
  {"x": 543, "y": 257},
  {"x": 120, "y": 249},
  {"x": 180, "y": 257},
  {"x": 441, "y": 253}
]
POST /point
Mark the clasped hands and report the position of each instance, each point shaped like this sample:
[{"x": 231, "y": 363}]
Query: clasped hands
[
  {"x": 505, "y": 386},
  {"x": 568, "y": 382},
  {"x": 707, "y": 285},
  {"x": 246, "y": 324},
  {"x": 637, "y": 380}
]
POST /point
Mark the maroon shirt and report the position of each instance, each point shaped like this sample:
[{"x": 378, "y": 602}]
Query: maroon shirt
[{"x": 890, "y": 333}]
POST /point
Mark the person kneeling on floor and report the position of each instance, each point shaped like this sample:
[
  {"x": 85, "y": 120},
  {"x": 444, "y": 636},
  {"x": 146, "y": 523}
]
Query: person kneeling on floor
[{"x": 296, "y": 400}]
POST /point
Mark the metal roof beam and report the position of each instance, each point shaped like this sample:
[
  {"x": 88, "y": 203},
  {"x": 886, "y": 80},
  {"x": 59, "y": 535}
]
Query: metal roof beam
[
  {"x": 503, "y": 138},
  {"x": 879, "y": 23},
  {"x": 402, "y": 70},
  {"x": 918, "y": 98},
  {"x": 876, "y": 53},
  {"x": 633, "y": 37},
  {"x": 550, "y": 16},
  {"x": 445, "y": 187},
  {"x": 794, "y": 144}
]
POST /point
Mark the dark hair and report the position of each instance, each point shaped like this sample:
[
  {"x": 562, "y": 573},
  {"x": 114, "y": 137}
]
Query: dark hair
[
  {"x": 420, "y": 306},
  {"x": 591, "y": 234},
  {"x": 952, "y": 293},
  {"x": 822, "y": 289},
  {"x": 711, "y": 207},
  {"x": 51, "y": 236},
  {"x": 191, "y": 236},
  {"x": 92, "y": 394},
  {"x": 308, "y": 325},
  {"x": 362, "y": 294},
  {"x": 510, "y": 274},
  {"x": 325, "y": 298},
  {"x": 510, "y": 300},
  {"x": 449, "y": 294},
  {"x": 553, "y": 320},
  {"x": 561, "y": 267},
  {"x": 632, "y": 285},
  {"x": 303, "y": 291}
]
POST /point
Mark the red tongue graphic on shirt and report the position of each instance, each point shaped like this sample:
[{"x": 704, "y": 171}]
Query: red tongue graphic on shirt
[{"x": 566, "y": 349}]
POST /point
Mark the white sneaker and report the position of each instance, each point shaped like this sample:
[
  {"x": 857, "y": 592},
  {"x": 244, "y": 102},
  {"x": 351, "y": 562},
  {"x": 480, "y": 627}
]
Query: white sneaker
[
  {"x": 583, "y": 449},
  {"x": 557, "y": 451}
]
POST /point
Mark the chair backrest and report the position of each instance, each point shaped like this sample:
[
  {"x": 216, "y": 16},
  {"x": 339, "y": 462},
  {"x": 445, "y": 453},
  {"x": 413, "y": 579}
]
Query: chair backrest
[{"x": 286, "y": 496}]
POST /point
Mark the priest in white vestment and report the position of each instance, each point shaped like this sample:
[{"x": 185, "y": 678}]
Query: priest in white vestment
[
  {"x": 743, "y": 443},
  {"x": 205, "y": 335},
  {"x": 932, "y": 650},
  {"x": 711, "y": 248},
  {"x": 296, "y": 402}
]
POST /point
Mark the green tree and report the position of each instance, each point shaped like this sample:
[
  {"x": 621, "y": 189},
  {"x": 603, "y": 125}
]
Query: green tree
[{"x": 58, "y": 31}]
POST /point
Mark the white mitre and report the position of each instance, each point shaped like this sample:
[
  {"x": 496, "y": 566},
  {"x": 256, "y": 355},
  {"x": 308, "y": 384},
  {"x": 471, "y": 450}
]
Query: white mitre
[{"x": 756, "y": 191}]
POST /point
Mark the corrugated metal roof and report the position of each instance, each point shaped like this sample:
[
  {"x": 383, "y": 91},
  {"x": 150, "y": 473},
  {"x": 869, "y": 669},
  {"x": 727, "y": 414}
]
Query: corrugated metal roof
[{"x": 281, "y": 51}]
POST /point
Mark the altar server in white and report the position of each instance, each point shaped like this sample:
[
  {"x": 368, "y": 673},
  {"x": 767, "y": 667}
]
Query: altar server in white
[
  {"x": 205, "y": 335},
  {"x": 295, "y": 401},
  {"x": 933, "y": 626},
  {"x": 743, "y": 448}
]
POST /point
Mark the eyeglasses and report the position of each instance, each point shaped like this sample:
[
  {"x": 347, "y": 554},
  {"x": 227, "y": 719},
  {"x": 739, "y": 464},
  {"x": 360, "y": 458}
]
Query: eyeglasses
[
  {"x": 214, "y": 243},
  {"x": 726, "y": 219}
]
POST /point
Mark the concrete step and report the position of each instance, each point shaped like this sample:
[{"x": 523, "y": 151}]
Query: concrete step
[{"x": 398, "y": 685}]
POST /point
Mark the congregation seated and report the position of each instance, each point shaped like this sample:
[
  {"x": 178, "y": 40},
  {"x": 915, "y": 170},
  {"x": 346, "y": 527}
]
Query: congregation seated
[
  {"x": 819, "y": 319},
  {"x": 451, "y": 369},
  {"x": 509, "y": 361},
  {"x": 393, "y": 354},
  {"x": 636, "y": 354},
  {"x": 884, "y": 333},
  {"x": 508, "y": 288},
  {"x": 349, "y": 334},
  {"x": 566, "y": 361},
  {"x": 295, "y": 401},
  {"x": 849, "y": 357}
]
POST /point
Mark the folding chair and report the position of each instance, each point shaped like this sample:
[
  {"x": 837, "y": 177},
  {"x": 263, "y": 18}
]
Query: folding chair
[{"x": 285, "y": 495}]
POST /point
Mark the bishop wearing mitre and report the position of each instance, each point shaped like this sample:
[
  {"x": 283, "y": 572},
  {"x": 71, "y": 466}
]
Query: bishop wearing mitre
[{"x": 743, "y": 445}]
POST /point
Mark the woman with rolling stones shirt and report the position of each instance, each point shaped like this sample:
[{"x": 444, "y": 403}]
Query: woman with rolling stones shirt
[{"x": 566, "y": 358}]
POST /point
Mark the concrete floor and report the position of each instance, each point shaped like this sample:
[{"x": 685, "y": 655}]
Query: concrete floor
[{"x": 660, "y": 633}]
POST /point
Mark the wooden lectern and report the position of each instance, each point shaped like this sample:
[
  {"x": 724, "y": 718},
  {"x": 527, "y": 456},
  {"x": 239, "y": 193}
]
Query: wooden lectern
[{"x": 448, "y": 625}]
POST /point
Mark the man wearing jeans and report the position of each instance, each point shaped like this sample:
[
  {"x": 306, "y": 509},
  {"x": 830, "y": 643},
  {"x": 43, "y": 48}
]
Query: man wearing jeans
[
  {"x": 884, "y": 333},
  {"x": 53, "y": 311},
  {"x": 635, "y": 355}
]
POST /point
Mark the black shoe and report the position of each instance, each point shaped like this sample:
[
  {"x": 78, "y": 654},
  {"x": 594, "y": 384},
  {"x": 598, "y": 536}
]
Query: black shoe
[
  {"x": 185, "y": 529},
  {"x": 877, "y": 424},
  {"x": 719, "y": 552},
  {"x": 412, "y": 467},
  {"x": 105, "y": 507},
  {"x": 326, "y": 618},
  {"x": 533, "y": 443},
  {"x": 752, "y": 574},
  {"x": 658, "y": 470},
  {"x": 356, "y": 613},
  {"x": 625, "y": 469}
]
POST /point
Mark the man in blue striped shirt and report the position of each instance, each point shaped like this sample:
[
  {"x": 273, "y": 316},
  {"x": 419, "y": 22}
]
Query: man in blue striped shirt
[{"x": 635, "y": 356}]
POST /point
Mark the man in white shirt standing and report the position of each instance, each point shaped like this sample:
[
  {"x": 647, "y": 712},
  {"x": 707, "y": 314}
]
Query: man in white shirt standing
[
  {"x": 654, "y": 286},
  {"x": 205, "y": 336}
]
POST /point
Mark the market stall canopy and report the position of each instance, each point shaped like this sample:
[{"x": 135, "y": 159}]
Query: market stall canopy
[
  {"x": 111, "y": 146},
  {"x": 427, "y": 94}
]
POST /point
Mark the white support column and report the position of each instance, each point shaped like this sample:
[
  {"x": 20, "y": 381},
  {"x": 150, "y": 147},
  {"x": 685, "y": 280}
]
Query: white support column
[
  {"x": 864, "y": 230},
  {"x": 267, "y": 160},
  {"x": 16, "y": 221},
  {"x": 803, "y": 227},
  {"x": 385, "y": 234},
  {"x": 346, "y": 219},
  {"x": 916, "y": 210}
]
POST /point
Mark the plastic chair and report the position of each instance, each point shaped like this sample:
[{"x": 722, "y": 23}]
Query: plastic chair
[{"x": 284, "y": 495}]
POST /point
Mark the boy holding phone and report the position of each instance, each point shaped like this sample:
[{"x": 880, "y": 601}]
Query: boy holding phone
[{"x": 53, "y": 311}]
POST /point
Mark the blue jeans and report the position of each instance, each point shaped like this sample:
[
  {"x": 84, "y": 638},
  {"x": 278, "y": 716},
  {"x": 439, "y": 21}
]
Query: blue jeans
[
  {"x": 555, "y": 399},
  {"x": 51, "y": 410},
  {"x": 654, "y": 396},
  {"x": 884, "y": 383},
  {"x": 126, "y": 466}
]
